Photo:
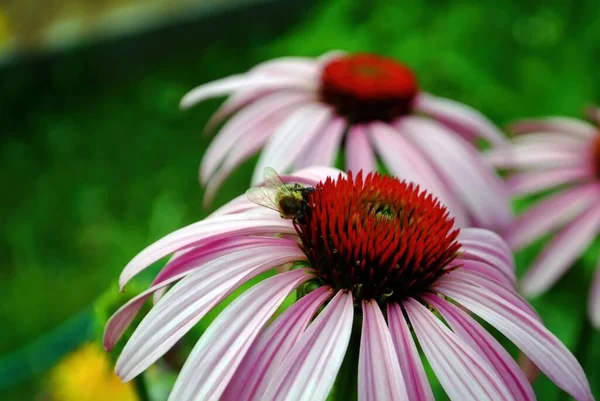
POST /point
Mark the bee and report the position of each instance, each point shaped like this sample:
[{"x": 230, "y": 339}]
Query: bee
[{"x": 291, "y": 200}]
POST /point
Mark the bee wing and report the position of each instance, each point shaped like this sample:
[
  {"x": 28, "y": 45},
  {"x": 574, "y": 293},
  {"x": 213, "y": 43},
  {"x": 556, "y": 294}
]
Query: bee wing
[
  {"x": 273, "y": 180},
  {"x": 263, "y": 196}
]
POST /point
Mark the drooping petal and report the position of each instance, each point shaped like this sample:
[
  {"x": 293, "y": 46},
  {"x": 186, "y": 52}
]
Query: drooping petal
[
  {"x": 223, "y": 345},
  {"x": 206, "y": 230},
  {"x": 463, "y": 373},
  {"x": 594, "y": 300},
  {"x": 176, "y": 269},
  {"x": 529, "y": 334},
  {"x": 291, "y": 138},
  {"x": 379, "y": 374},
  {"x": 260, "y": 116},
  {"x": 549, "y": 214},
  {"x": 533, "y": 157},
  {"x": 554, "y": 124},
  {"x": 309, "y": 370},
  {"x": 271, "y": 346},
  {"x": 405, "y": 161},
  {"x": 487, "y": 346},
  {"x": 463, "y": 169},
  {"x": 323, "y": 152},
  {"x": 227, "y": 85},
  {"x": 487, "y": 247},
  {"x": 415, "y": 378},
  {"x": 459, "y": 117},
  {"x": 530, "y": 182},
  {"x": 483, "y": 268},
  {"x": 562, "y": 251},
  {"x": 359, "y": 152},
  {"x": 190, "y": 299}
]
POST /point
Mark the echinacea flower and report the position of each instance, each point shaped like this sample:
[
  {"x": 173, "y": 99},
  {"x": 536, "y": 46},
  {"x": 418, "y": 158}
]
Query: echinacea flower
[
  {"x": 373, "y": 253},
  {"x": 302, "y": 112},
  {"x": 561, "y": 154}
]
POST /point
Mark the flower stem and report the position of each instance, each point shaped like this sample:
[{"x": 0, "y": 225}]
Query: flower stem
[{"x": 141, "y": 390}]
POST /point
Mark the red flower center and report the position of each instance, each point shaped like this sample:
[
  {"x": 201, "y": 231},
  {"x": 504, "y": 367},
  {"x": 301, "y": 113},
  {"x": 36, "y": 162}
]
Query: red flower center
[
  {"x": 597, "y": 155},
  {"x": 365, "y": 87},
  {"x": 378, "y": 237}
]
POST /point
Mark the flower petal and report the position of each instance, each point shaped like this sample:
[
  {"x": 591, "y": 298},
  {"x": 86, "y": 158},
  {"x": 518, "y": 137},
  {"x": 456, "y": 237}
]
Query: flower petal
[
  {"x": 271, "y": 346},
  {"x": 291, "y": 138},
  {"x": 562, "y": 251},
  {"x": 530, "y": 182},
  {"x": 205, "y": 230},
  {"x": 324, "y": 152},
  {"x": 463, "y": 373},
  {"x": 379, "y": 375},
  {"x": 541, "y": 346},
  {"x": 459, "y": 117},
  {"x": 554, "y": 124},
  {"x": 415, "y": 378},
  {"x": 263, "y": 114},
  {"x": 309, "y": 370},
  {"x": 232, "y": 83},
  {"x": 220, "y": 350},
  {"x": 176, "y": 269},
  {"x": 190, "y": 299},
  {"x": 549, "y": 214},
  {"x": 487, "y": 346},
  {"x": 359, "y": 152}
]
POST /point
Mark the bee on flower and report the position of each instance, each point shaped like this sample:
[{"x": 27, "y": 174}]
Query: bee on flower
[{"x": 373, "y": 258}]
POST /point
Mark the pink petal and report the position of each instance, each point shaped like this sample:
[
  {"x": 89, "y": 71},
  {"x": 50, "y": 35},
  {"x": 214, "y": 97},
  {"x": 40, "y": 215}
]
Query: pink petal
[
  {"x": 484, "y": 269},
  {"x": 176, "y": 269},
  {"x": 233, "y": 103},
  {"x": 220, "y": 350},
  {"x": 487, "y": 247},
  {"x": 205, "y": 230},
  {"x": 549, "y": 214},
  {"x": 594, "y": 301},
  {"x": 324, "y": 151},
  {"x": 415, "y": 378},
  {"x": 530, "y": 182},
  {"x": 533, "y": 157},
  {"x": 379, "y": 375},
  {"x": 459, "y": 117},
  {"x": 406, "y": 162},
  {"x": 232, "y": 83},
  {"x": 554, "y": 124},
  {"x": 562, "y": 251},
  {"x": 486, "y": 345},
  {"x": 463, "y": 373},
  {"x": 464, "y": 171},
  {"x": 541, "y": 346},
  {"x": 190, "y": 299},
  {"x": 263, "y": 114},
  {"x": 309, "y": 370},
  {"x": 292, "y": 138},
  {"x": 271, "y": 346},
  {"x": 359, "y": 152}
]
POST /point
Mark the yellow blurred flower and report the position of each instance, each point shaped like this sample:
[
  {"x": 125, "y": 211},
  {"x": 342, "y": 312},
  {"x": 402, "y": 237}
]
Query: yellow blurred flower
[{"x": 87, "y": 375}]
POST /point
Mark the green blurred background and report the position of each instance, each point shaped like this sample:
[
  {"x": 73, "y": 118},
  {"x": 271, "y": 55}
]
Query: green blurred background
[{"x": 97, "y": 161}]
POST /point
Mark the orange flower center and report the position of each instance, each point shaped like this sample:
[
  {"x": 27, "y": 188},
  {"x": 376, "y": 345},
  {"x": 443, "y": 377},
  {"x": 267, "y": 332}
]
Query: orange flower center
[
  {"x": 365, "y": 87},
  {"x": 377, "y": 237}
]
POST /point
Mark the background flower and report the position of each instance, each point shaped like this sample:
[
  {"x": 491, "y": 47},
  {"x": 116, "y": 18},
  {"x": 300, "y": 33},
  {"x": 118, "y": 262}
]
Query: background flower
[
  {"x": 304, "y": 111},
  {"x": 374, "y": 245},
  {"x": 560, "y": 154}
]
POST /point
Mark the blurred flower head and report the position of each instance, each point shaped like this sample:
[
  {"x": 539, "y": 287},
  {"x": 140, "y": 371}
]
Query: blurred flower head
[
  {"x": 303, "y": 112},
  {"x": 87, "y": 375},
  {"x": 560, "y": 154},
  {"x": 369, "y": 256}
]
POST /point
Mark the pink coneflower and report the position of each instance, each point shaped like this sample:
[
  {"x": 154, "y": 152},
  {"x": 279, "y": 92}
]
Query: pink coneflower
[
  {"x": 561, "y": 154},
  {"x": 302, "y": 112},
  {"x": 371, "y": 253}
]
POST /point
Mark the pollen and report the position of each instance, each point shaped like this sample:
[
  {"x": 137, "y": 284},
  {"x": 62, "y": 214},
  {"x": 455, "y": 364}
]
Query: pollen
[
  {"x": 365, "y": 87},
  {"x": 378, "y": 237}
]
